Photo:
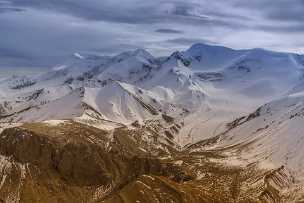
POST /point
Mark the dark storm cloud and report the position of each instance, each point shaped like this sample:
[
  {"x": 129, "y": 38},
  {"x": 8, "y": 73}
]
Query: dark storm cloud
[
  {"x": 135, "y": 11},
  {"x": 169, "y": 31},
  {"x": 94, "y": 10},
  {"x": 122, "y": 11},
  {"x": 6, "y": 6},
  {"x": 8, "y": 9},
  {"x": 46, "y": 32}
]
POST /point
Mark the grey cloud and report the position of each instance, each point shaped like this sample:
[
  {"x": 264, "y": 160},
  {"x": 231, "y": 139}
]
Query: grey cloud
[
  {"x": 281, "y": 10},
  {"x": 189, "y": 41},
  {"x": 169, "y": 31},
  {"x": 48, "y": 38},
  {"x": 285, "y": 29},
  {"x": 45, "y": 32}
]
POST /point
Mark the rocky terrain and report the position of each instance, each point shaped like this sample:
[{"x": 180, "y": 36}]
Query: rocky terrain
[{"x": 71, "y": 162}]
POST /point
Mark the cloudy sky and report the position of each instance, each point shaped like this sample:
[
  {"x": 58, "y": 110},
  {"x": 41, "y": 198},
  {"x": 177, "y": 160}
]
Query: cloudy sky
[{"x": 43, "y": 33}]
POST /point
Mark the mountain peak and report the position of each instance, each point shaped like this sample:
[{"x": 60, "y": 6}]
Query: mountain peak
[
  {"x": 198, "y": 50},
  {"x": 141, "y": 52},
  {"x": 136, "y": 53}
]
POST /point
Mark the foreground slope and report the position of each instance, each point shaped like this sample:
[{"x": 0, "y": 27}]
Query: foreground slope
[{"x": 72, "y": 162}]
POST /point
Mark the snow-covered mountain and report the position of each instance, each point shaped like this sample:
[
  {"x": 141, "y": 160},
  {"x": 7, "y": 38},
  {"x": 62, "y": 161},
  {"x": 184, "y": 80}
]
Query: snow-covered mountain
[
  {"x": 209, "y": 84},
  {"x": 196, "y": 100},
  {"x": 204, "y": 83}
]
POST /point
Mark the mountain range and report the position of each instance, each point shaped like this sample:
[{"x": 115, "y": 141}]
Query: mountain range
[{"x": 208, "y": 124}]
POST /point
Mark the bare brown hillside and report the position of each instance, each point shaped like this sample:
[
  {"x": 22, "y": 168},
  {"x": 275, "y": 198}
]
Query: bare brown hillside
[{"x": 73, "y": 162}]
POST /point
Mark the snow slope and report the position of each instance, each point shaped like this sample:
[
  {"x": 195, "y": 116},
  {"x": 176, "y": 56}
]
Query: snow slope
[
  {"x": 42, "y": 104},
  {"x": 121, "y": 103},
  {"x": 206, "y": 57},
  {"x": 271, "y": 136}
]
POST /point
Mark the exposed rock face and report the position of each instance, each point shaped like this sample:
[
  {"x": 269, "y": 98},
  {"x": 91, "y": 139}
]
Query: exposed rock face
[
  {"x": 73, "y": 162},
  {"x": 70, "y": 162},
  {"x": 72, "y": 156}
]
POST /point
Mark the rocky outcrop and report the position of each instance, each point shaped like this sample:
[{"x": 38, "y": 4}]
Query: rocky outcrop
[{"x": 71, "y": 162}]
